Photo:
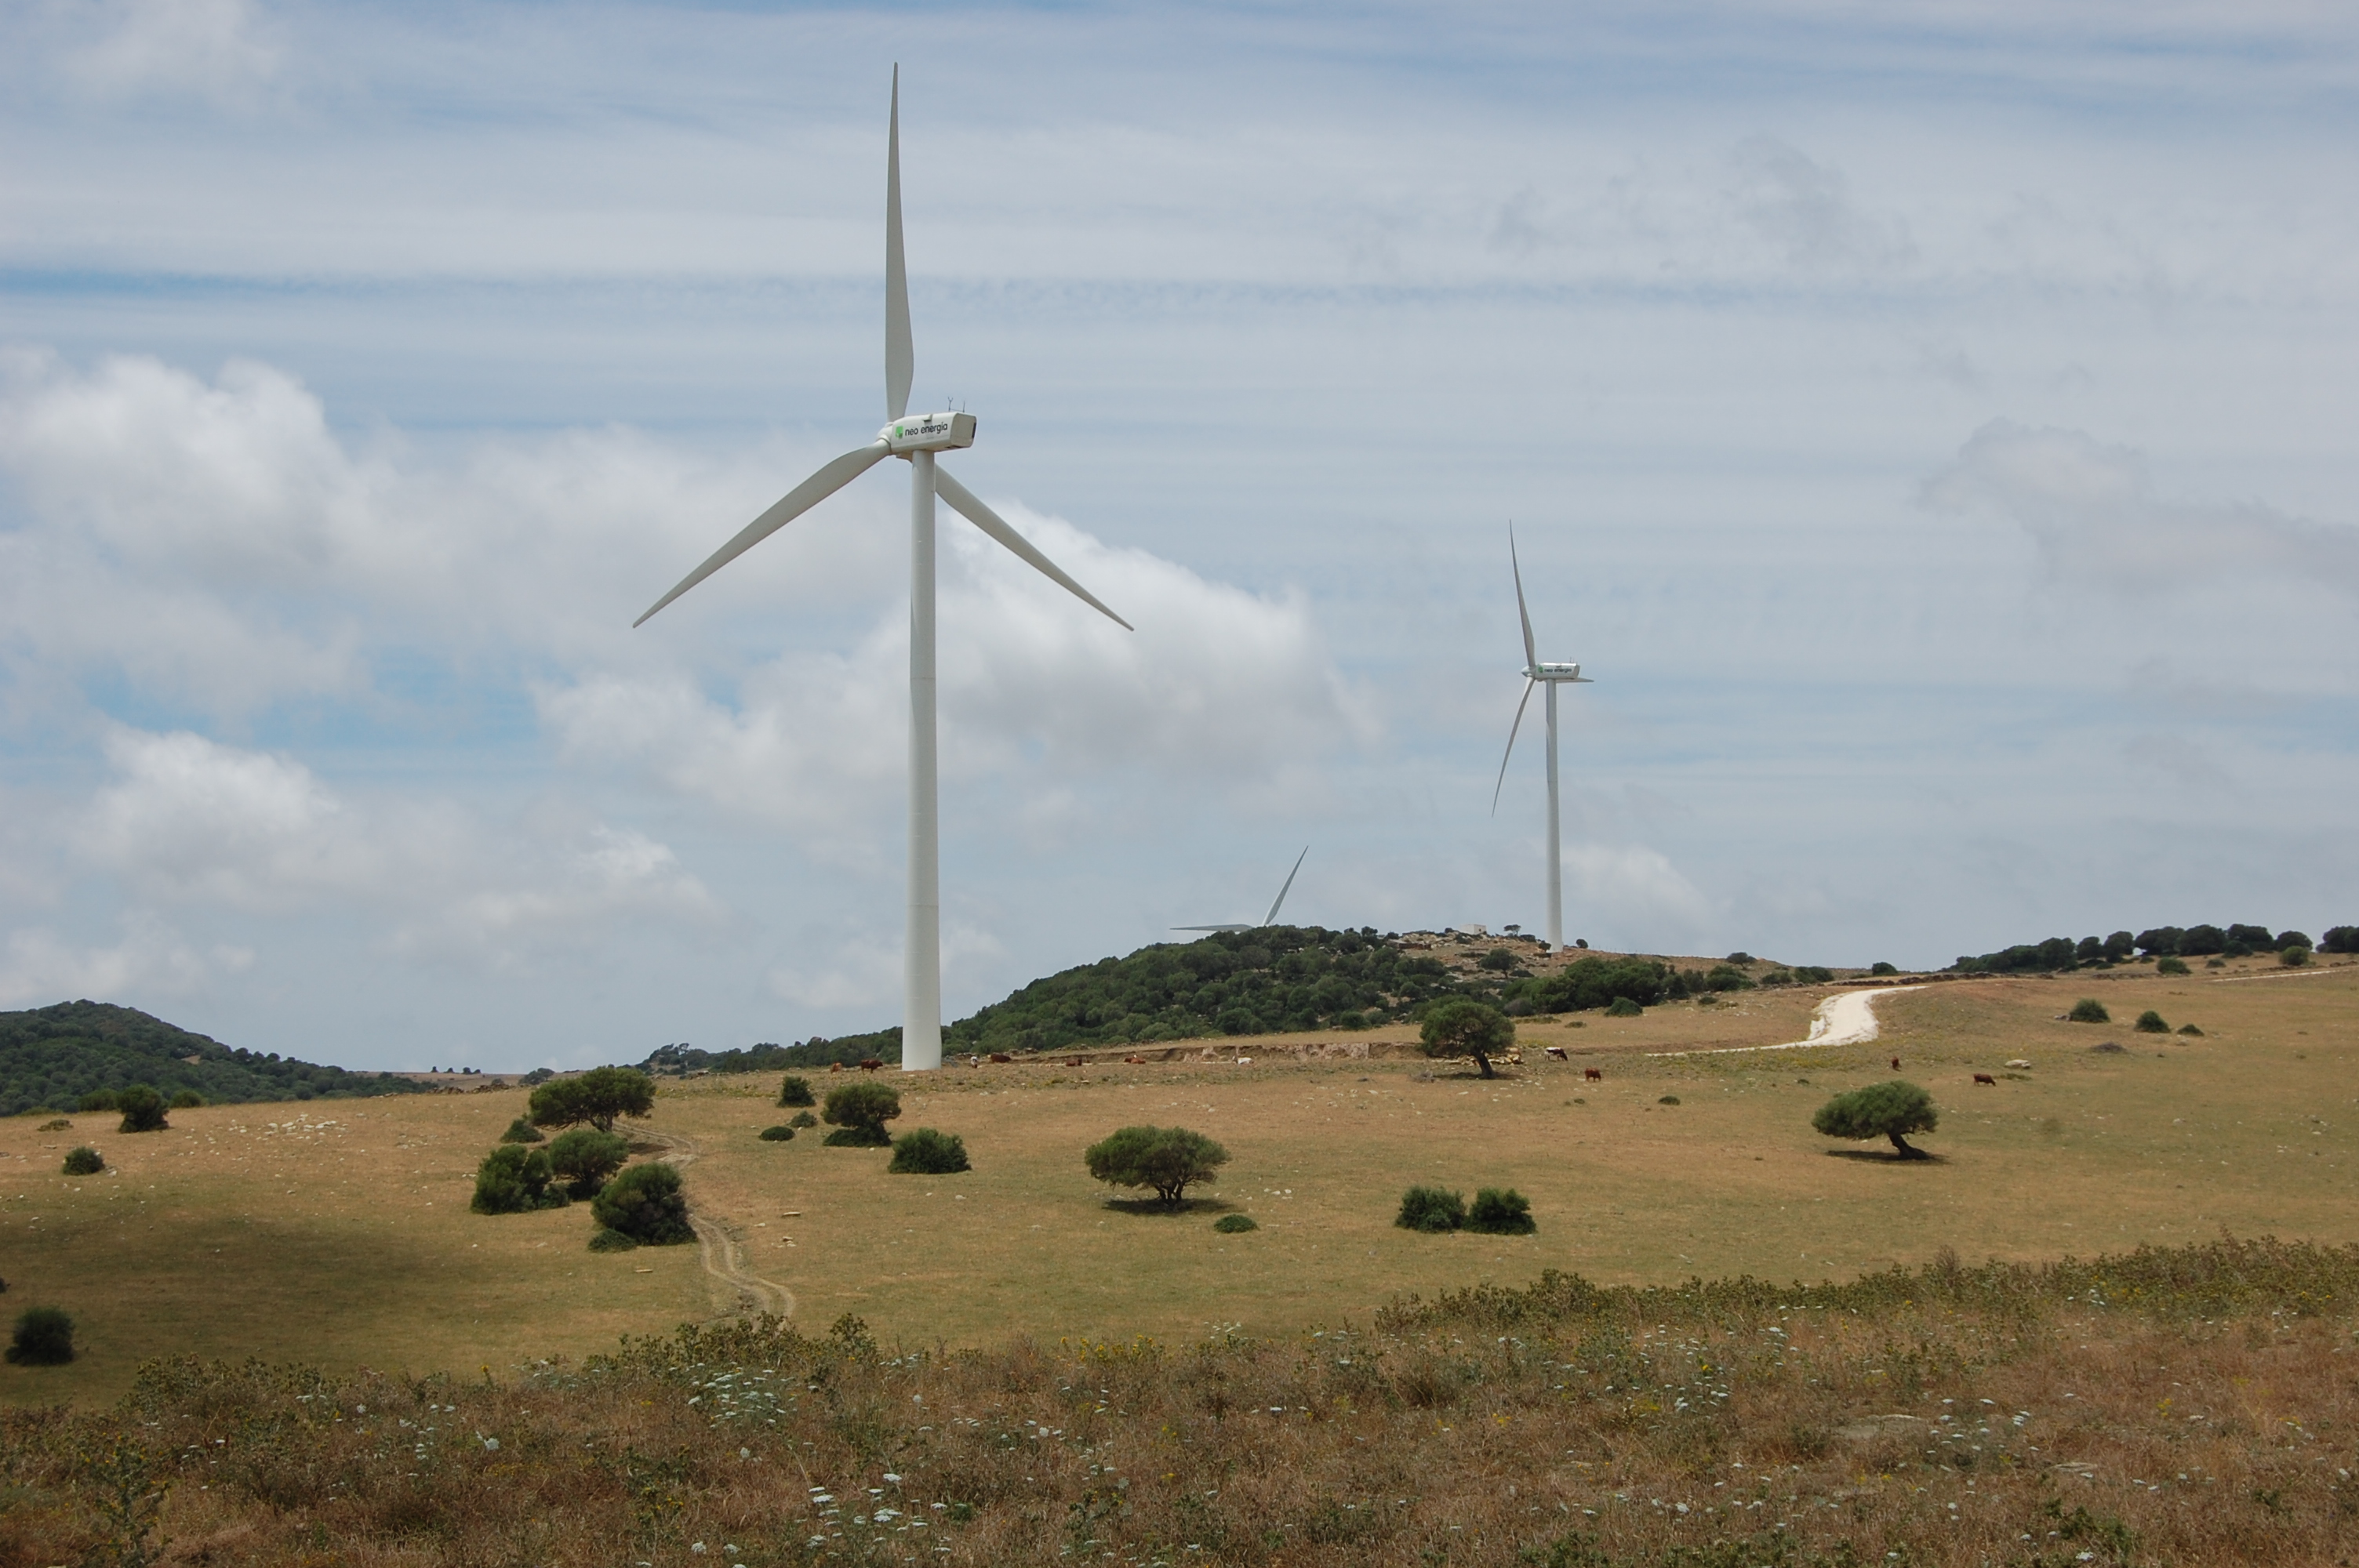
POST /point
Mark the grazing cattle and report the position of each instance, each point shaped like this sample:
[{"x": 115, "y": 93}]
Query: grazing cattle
[
  {"x": 1556, "y": 1051},
  {"x": 1591, "y": 1076},
  {"x": 1244, "y": 1061},
  {"x": 1001, "y": 1056},
  {"x": 1072, "y": 1061},
  {"x": 1895, "y": 1063},
  {"x": 869, "y": 1064},
  {"x": 1985, "y": 1078},
  {"x": 835, "y": 1067},
  {"x": 1135, "y": 1061}
]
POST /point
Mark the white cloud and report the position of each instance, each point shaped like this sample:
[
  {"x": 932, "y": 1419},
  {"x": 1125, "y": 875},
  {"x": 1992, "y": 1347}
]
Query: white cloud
[
  {"x": 1640, "y": 886},
  {"x": 1806, "y": 210},
  {"x": 151, "y": 959},
  {"x": 216, "y": 49}
]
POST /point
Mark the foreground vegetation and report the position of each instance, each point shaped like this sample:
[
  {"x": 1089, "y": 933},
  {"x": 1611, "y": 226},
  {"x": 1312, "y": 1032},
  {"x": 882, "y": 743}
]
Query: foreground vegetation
[{"x": 2189, "y": 1405}]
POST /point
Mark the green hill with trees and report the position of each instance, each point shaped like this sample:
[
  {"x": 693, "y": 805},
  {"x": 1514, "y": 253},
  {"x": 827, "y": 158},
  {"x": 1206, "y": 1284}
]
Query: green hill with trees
[
  {"x": 2058, "y": 954},
  {"x": 52, "y": 1057}
]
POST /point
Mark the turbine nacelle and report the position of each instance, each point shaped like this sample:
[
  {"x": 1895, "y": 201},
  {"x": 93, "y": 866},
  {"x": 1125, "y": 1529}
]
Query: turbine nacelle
[
  {"x": 928, "y": 433},
  {"x": 1555, "y": 673}
]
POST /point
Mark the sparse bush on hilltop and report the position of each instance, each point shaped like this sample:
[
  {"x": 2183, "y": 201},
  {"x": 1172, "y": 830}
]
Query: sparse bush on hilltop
[
  {"x": 585, "y": 1157},
  {"x": 1169, "y": 1160},
  {"x": 44, "y": 1337},
  {"x": 522, "y": 1132},
  {"x": 84, "y": 1162},
  {"x": 1881, "y": 968},
  {"x": 795, "y": 1090},
  {"x": 1499, "y": 960},
  {"x": 1501, "y": 1212},
  {"x": 2293, "y": 958},
  {"x": 923, "y": 1152},
  {"x": 645, "y": 1202},
  {"x": 802, "y": 1118},
  {"x": 1432, "y": 1209},
  {"x": 2089, "y": 1010},
  {"x": 142, "y": 1109},
  {"x": 1464, "y": 1028},
  {"x": 858, "y": 1113},
  {"x": 514, "y": 1180},
  {"x": 1881, "y": 1110},
  {"x": 597, "y": 1097},
  {"x": 2171, "y": 964}
]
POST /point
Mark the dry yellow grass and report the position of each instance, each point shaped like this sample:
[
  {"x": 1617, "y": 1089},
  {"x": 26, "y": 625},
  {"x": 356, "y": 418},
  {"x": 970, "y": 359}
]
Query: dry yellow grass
[{"x": 338, "y": 1232}]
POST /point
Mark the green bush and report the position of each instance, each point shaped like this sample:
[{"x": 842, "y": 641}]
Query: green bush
[
  {"x": 44, "y": 1337},
  {"x": 1434, "y": 1209},
  {"x": 1234, "y": 1224},
  {"x": 1499, "y": 1211},
  {"x": 187, "y": 1099},
  {"x": 922, "y": 1152},
  {"x": 802, "y": 1118},
  {"x": 2191, "y": 1029},
  {"x": 596, "y": 1096},
  {"x": 56, "y": 1124},
  {"x": 645, "y": 1204},
  {"x": 2293, "y": 958},
  {"x": 1668, "y": 1100},
  {"x": 796, "y": 1092},
  {"x": 776, "y": 1134},
  {"x": 1463, "y": 1028},
  {"x": 1881, "y": 967},
  {"x": 83, "y": 1161},
  {"x": 97, "y": 1100},
  {"x": 585, "y": 1157},
  {"x": 2089, "y": 1010},
  {"x": 1812, "y": 974},
  {"x": 2172, "y": 964},
  {"x": 142, "y": 1109},
  {"x": 514, "y": 1180},
  {"x": 1624, "y": 1008},
  {"x": 1170, "y": 1160},
  {"x": 604, "y": 1241},
  {"x": 1499, "y": 960},
  {"x": 859, "y": 1111},
  {"x": 1880, "y": 1110},
  {"x": 522, "y": 1132},
  {"x": 2151, "y": 1023}
]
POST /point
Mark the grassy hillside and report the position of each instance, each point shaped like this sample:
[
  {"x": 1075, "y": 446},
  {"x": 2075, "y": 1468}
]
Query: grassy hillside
[{"x": 53, "y": 1055}]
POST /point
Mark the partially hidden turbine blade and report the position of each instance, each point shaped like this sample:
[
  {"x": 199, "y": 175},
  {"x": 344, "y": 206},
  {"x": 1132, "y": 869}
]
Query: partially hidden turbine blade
[
  {"x": 964, "y": 500},
  {"x": 1518, "y": 724},
  {"x": 831, "y": 478},
  {"x": 1531, "y": 651},
  {"x": 900, "y": 358},
  {"x": 1271, "y": 918}
]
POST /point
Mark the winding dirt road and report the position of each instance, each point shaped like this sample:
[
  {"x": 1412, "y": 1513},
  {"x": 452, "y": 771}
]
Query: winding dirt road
[
  {"x": 1847, "y": 1017},
  {"x": 718, "y": 1245}
]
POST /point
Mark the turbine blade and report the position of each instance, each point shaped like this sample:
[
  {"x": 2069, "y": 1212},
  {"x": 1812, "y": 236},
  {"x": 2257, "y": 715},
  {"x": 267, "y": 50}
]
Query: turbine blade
[
  {"x": 1531, "y": 653},
  {"x": 1272, "y": 916},
  {"x": 900, "y": 358},
  {"x": 1232, "y": 926},
  {"x": 963, "y": 500},
  {"x": 1518, "y": 724},
  {"x": 831, "y": 477}
]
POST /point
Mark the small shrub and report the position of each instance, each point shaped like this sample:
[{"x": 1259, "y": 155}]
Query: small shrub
[
  {"x": 142, "y": 1109},
  {"x": 604, "y": 1241},
  {"x": 187, "y": 1099},
  {"x": 802, "y": 1118},
  {"x": 1741, "y": 956},
  {"x": 796, "y": 1090},
  {"x": 1668, "y": 1100},
  {"x": 645, "y": 1204},
  {"x": 2171, "y": 965},
  {"x": 2151, "y": 1023},
  {"x": 44, "y": 1337},
  {"x": 1881, "y": 967},
  {"x": 514, "y": 1180},
  {"x": 859, "y": 1112},
  {"x": 1499, "y": 960},
  {"x": 776, "y": 1134},
  {"x": 1234, "y": 1224},
  {"x": 1812, "y": 974},
  {"x": 97, "y": 1100},
  {"x": 2191, "y": 1029},
  {"x": 1499, "y": 1211},
  {"x": 1624, "y": 1008},
  {"x": 2215, "y": 963},
  {"x": 585, "y": 1157},
  {"x": 1432, "y": 1209},
  {"x": 83, "y": 1161},
  {"x": 923, "y": 1152},
  {"x": 522, "y": 1132},
  {"x": 2089, "y": 1010},
  {"x": 2293, "y": 958},
  {"x": 59, "y": 1124}
]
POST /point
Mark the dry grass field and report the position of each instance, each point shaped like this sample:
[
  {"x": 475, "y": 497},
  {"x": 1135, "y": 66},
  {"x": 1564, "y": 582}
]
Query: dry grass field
[{"x": 337, "y": 1232}]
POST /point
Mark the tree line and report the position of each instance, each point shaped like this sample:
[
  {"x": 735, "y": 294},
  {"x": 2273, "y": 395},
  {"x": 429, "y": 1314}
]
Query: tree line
[
  {"x": 56, "y": 1057},
  {"x": 2233, "y": 941}
]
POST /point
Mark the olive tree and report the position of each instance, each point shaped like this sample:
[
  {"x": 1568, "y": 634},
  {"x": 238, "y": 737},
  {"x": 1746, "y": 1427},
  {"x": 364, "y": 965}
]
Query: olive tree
[
  {"x": 142, "y": 1109},
  {"x": 1880, "y": 1110},
  {"x": 858, "y": 1113},
  {"x": 646, "y": 1204},
  {"x": 1168, "y": 1159},
  {"x": 1465, "y": 1028},
  {"x": 585, "y": 1157},
  {"x": 596, "y": 1096}
]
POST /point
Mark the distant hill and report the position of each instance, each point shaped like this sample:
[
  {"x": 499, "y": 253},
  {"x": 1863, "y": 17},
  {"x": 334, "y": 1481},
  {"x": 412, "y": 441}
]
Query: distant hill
[{"x": 54, "y": 1056}]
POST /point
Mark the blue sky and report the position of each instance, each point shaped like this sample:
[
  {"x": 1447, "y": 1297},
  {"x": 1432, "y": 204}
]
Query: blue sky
[{"x": 1930, "y": 424}]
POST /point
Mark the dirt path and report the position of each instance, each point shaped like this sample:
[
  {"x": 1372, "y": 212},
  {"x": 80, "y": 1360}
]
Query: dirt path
[
  {"x": 1847, "y": 1017},
  {"x": 718, "y": 1245}
]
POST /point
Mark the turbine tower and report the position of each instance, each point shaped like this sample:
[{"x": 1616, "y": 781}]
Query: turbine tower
[
  {"x": 916, "y": 440},
  {"x": 1551, "y": 676},
  {"x": 1267, "y": 919}
]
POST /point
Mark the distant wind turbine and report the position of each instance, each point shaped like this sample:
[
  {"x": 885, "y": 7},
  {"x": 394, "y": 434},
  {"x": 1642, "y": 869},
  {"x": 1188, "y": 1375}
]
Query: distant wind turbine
[
  {"x": 915, "y": 440},
  {"x": 1551, "y": 676},
  {"x": 1267, "y": 919}
]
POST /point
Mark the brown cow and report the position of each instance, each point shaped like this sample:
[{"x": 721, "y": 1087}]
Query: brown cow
[
  {"x": 1985, "y": 1078},
  {"x": 1135, "y": 1061},
  {"x": 1001, "y": 1056},
  {"x": 1556, "y": 1051},
  {"x": 1895, "y": 1063},
  {"x": 835, "y": 1067},
  {"x": 1072, "y": 1061},
  {"x": 869, "y": 1064},
  {"x": 1591, "y": 1076}
]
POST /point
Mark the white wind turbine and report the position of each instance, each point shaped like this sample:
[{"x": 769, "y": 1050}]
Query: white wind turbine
[
  {"x": 915, "y": 440},
  {"x": 1551, "y": 676},
  {"x": 1267, "y": 919}
]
